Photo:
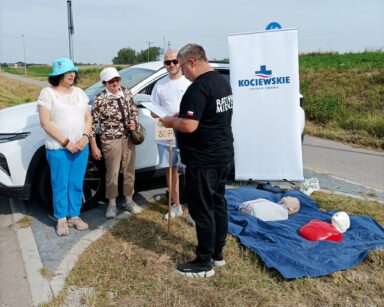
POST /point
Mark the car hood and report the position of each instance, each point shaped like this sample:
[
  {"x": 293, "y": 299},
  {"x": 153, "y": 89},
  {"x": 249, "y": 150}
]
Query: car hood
[{"x": 19, "y": 118}]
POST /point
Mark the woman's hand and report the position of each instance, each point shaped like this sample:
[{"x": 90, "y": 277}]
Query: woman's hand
[
  {"x": 82, "y": 143},
  {"x": 132, "y": 125},
  {"x": 72, "y": 147},
  {"x": 96, "y": 153}
]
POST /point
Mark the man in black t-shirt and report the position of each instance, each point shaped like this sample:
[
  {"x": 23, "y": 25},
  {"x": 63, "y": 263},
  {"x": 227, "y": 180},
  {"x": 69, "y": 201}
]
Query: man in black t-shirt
[{"x": 204, "y": 135}]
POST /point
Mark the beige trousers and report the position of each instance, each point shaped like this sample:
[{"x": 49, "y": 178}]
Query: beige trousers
[{"x": 119, "y": 154}]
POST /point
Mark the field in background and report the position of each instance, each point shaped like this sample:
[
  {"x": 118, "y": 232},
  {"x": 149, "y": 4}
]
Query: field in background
[
  {"x": 343, "y": 94},
  {"x": 12, "y": 92},
  {"x": 89, "y": 74}
]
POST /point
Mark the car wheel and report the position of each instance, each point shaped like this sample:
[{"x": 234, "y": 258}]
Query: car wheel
[
  {"x": 93, "y": 187},
  {"x": 43, "y": 187}
]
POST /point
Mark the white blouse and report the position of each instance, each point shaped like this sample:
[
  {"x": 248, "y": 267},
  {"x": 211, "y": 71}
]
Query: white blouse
[{"x": 67, "y": 113}]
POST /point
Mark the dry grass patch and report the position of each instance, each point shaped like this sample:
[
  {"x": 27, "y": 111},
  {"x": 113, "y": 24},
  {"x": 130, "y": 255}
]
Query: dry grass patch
[
  {"x": 134, "y": 265},
  {"x": 350, "y": 205},
  {"x": 354, "y": 138},
  {"x": 45, "y": 273},
  {"x": 24, "y": 222},
  {"x": 13, "y": 92}
]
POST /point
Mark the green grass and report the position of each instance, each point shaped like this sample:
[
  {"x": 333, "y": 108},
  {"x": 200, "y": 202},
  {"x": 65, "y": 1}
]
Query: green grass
[
  {"x": 365, "y": 61},
  {"x": 345, "y": 92},
  {"x": 133, "y": 264},
  {"x": 39, "y": 72}
]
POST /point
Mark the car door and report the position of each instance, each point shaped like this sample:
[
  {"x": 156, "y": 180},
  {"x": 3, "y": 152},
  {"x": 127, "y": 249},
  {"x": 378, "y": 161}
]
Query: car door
[{"x": 146, "y": 152}]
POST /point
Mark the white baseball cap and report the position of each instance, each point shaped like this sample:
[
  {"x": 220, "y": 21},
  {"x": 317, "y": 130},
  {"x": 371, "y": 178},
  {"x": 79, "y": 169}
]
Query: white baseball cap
[
  {"x": 108, "y": 74},
  {"x": 340, "y": 220}
]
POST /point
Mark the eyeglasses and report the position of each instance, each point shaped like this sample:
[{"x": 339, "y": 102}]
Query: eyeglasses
[
  {"x": 168, "y": 62},
  {"x": 181, "y": 65},
  {"x": 113, "y": 80}
]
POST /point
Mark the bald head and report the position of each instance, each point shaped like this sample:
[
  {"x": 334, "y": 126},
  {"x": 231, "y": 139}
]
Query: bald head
[
  {"x": 172, "y": 64},
  {"x": 170, "y": 54}
]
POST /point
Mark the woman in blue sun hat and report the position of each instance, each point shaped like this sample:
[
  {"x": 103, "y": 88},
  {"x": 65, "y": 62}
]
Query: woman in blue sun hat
[{"x": 66, "y": 119}]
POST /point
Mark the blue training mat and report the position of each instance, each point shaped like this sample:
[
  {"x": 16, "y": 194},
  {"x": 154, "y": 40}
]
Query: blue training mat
[{"x": 281, "y": 247}]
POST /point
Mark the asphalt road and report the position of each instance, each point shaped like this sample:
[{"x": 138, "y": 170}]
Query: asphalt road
[
  {"x": 24, "y": 79},
  {"x": 362, "y": 166}
]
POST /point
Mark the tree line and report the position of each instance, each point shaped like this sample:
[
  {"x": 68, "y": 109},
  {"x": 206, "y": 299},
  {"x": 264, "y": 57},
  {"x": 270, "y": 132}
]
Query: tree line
[{"x": 131, "y": 56}]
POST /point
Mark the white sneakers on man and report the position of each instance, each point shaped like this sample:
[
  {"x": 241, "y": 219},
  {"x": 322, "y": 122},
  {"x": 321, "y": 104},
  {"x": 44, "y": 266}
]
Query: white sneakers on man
[
  {"x": 190, "y": 221},
  {"x": 175, "y": 211}
]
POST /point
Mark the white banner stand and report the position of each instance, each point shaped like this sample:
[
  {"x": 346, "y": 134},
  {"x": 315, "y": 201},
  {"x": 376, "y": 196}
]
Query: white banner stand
[
  {"x": 266, "y": 109},
  {"x": 166, "y": 134}
]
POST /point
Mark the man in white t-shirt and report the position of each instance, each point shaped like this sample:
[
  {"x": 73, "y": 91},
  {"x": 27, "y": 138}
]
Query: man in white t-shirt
[{"x": 167, "y": 93}]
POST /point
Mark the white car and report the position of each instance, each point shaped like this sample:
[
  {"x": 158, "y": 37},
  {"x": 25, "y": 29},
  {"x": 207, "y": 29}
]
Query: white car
[{"x": 23, "y": 166}]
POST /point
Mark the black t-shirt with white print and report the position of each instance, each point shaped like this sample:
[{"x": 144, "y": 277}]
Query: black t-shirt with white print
[{"x": 209, "y": 100}]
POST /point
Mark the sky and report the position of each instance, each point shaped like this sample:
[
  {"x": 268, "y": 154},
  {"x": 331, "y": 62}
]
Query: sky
[{"x": 102, "y": 28}]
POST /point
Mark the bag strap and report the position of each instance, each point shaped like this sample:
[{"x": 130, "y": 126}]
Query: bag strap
[{"x": 126, "y": 130}]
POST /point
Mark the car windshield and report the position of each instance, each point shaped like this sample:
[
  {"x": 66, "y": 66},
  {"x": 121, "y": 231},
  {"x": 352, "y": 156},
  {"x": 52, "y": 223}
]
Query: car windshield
[{"x": 129, "y": 78}]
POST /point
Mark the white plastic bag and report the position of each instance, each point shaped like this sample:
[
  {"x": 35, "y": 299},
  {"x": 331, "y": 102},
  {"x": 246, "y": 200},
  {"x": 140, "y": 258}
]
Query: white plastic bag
[{"x": 310, "y": 185}]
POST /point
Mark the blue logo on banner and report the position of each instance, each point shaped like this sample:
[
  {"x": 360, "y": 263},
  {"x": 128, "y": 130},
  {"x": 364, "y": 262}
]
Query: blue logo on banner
[
  {"x": 273, "y": 26},
  {"x": 263, "y": 72},
  {"x": 264, "y": 80}
]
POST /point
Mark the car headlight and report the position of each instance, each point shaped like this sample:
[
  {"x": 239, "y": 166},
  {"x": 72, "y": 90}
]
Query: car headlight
[{"x": 8, "y": 137}]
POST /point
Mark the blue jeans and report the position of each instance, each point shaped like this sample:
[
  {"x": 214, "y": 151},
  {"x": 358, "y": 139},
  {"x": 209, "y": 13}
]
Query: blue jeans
[
  {"x": 67, "y": 176},
  {"x": 164, "y": 156}
]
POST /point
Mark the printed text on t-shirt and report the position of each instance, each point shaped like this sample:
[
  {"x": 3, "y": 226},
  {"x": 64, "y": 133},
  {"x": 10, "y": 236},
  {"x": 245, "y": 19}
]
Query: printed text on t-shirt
[{"x": 224, "y": 104}]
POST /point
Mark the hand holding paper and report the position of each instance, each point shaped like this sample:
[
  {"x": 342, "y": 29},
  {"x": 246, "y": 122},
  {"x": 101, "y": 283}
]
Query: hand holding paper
[{"x": 156, "y": 109}]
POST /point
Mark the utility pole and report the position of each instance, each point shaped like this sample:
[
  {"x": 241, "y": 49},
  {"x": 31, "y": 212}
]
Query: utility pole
[
  {"x": 149, "y": 45},
  {"x": 70, "y": 29},
  {"x": 169, "y": 44},
  {"x": 25, "y": 61}
]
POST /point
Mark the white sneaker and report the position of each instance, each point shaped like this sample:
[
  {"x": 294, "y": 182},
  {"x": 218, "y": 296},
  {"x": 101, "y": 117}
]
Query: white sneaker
[
  {"x": 132, "y": 207},
  {"x": 190, "y": 221},
  {"x": 175, "y": 211},
  {"x": 218, "y": 263},
  {"x": 111, "y": 212}
]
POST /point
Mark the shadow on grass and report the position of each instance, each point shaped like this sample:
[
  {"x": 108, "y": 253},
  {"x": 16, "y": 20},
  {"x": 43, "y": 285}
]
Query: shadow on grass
[{"x": 149, "y": 231}]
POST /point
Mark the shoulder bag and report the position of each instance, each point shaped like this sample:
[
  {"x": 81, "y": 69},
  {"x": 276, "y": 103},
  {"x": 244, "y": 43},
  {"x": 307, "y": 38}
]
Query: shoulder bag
[{"x": 137, "y": 136}]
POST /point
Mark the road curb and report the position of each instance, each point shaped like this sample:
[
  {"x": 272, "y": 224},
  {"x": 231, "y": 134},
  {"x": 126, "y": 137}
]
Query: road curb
[
  {"x": 43, "y": 290},
  {"x": 39, "y": 286},
  {"x": 69, "y": 261}
]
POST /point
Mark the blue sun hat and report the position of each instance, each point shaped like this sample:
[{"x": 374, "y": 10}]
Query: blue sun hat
[{"x": 61, "y": 66}]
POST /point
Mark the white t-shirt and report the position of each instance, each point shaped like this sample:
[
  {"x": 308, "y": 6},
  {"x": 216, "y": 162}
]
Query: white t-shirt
[
  {"x": 67, "y": 113},
  {"x": 167, "y": 93}
]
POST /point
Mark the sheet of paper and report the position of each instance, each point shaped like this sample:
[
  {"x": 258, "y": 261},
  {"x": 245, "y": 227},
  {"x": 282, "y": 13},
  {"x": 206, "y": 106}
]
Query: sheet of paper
[{"x": 158, "y": 110}]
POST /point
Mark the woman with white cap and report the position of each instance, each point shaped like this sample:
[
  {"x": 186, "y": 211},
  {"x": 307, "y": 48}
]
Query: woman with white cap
[
  {"x": 116, "y": 113},
  {"x": 66, "y": 119}
]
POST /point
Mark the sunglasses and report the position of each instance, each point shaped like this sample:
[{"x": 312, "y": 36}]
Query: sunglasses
[
  {"x": 174, "y": 62},
  {"x": 113, "y": 80}
]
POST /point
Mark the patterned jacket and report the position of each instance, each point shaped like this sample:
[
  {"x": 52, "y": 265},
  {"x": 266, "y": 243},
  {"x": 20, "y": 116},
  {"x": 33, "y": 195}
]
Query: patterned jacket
[{"x": 106, "y": 113}]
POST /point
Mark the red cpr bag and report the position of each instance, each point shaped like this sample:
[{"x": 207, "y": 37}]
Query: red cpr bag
[{"x": 317, "y": 230}]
